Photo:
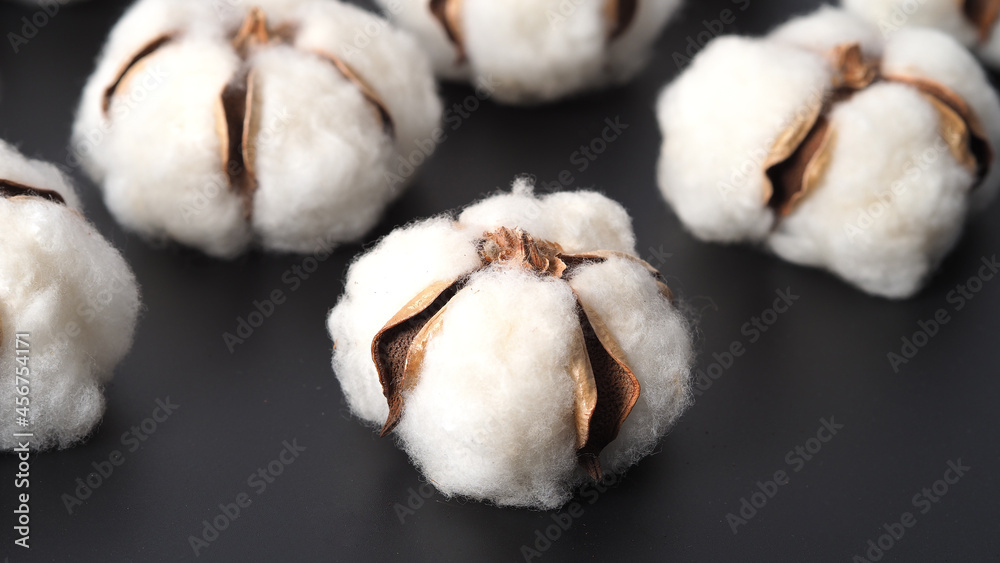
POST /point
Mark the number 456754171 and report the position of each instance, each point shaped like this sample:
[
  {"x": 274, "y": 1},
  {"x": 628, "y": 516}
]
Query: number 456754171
[{"x": 22, "y": 372}]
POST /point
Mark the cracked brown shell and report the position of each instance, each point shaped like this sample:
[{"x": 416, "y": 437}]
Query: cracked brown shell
[
  {"x": 10, "y": 189},
  {"x": 799, "y": 159},
  {"x": 605, "y": 388}
]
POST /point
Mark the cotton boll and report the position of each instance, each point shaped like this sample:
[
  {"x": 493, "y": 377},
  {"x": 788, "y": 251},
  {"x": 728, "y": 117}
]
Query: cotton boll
[
  {"x": 71, "y": 292},
  {"x": 893, "y": 200},
  {"x": 712, "y": 172},
  {"x": 531, "y": 51},
  {"x": 879, "y": 147},
  {"x": 930, "y": 54},
  {"x": 493, "y": 410},
  {"x": 286, "y": 124},
  {"x": 531, "y": 57}
]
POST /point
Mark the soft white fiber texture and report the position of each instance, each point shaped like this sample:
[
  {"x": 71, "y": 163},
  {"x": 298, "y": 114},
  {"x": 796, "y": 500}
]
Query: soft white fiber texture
[
  {"x": 533, "y": 51},
  {"x": 894, "y": 199},
  {"x": 325, "y": 166},
  {"x": 66, "y": 286},
  {"x": 491, "y": 415},
  {"x": 945, "y": 15}
]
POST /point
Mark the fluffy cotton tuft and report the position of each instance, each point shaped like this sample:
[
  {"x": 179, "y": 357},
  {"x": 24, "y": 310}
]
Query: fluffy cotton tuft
[
  {"x": 491, "y": 415},
  {"x": 71, "y": 292},
  {"x": 964, "y": 20},
  {"x": 295, "y": 138},
  {"x": 531, "y": 51},
  {"x": 887, "y": 191}
]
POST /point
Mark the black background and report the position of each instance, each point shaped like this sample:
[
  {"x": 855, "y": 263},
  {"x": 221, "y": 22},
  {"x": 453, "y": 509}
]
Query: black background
[{"x": 825, "y": 358}]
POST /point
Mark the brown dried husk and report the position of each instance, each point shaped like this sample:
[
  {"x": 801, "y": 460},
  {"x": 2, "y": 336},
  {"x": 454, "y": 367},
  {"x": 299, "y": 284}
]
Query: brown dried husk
[{"x": 13, "y": 190}]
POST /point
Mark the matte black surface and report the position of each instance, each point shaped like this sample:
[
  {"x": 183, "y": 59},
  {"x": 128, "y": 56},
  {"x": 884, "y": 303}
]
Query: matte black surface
[{"x": 826, "y": 358}]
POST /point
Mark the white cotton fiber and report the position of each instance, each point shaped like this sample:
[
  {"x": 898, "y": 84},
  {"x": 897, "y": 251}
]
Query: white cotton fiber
[
  {"x": 343, "y": 108},
  {"x": 958, "y": 18},
  {"x": 71, "y": 292},
  {"x": 890, "y": 200},
  {"x": 532, "y": 51},
  {"x": 491, "y": 416}
]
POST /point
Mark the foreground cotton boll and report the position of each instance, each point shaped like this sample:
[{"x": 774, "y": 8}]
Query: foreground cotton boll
[
  {"x": 531, "y": 51},
  {"x": 516, "y": 348},
  {"x": 68, "y": 308},
  {"x": 972, "y": 22},
  {"x": 833, "y": 147},
  {"x": 224, "y": 124}
]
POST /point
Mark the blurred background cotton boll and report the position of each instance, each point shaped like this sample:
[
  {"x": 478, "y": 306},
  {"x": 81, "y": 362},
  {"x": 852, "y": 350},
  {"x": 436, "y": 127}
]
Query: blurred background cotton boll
[
  {"x": 68, "y": 309},
  {"x": 835, "y": 125},
  {"x": 227, "y": 126},
  {"x": 535, "y": 51}
]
